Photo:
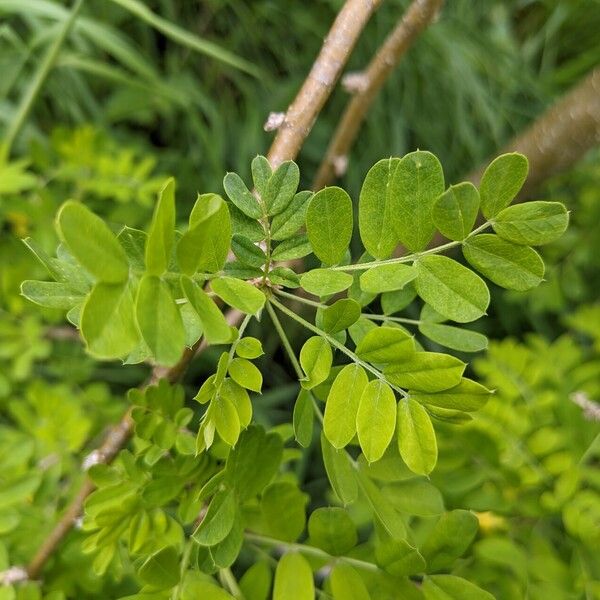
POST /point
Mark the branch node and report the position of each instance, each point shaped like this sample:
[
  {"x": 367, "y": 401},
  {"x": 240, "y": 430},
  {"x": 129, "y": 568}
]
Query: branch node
[
  {"x": 591, "y": 410},
  {"x": 355, "y": 82},
  {"x": 340, "y": 165},
  {"x": 93, "y": 458},
  {"x": 13, "y": 575},
  {"x": 274, "y": 121}
]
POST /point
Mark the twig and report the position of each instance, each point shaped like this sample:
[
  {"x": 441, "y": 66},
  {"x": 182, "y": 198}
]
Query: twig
[
  {"x": 367, "y": 85},
  {"x": 561, "y": 136},
  {"x": 317, "y": 87}
]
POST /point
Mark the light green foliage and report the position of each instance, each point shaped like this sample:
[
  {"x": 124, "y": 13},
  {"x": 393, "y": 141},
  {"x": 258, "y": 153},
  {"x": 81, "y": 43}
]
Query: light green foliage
[
  {"x": 375, "y": 422},
  {"x": 375, "y": 209},
  {"x": 293, "y": 578},
  {"x": 416, "y": 437},
  {"x": 533, "y": 223},
  {"x": 455, "y": 211},
  {"x": 506, "y": 264},
  {"x": 417, "y": 182},
  {"x": 329, "y": 224},
  {"x": 92, "y": 243},
  {"x": 501, "y": 182},
  {"x": 204, "y": 489},
  {"x": 339, "y": 423},
  {"x": 161, "y": 234}
]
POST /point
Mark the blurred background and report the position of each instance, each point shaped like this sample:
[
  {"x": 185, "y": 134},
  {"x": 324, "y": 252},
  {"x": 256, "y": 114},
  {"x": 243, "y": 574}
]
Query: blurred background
[{"x": 142, "y": 91}]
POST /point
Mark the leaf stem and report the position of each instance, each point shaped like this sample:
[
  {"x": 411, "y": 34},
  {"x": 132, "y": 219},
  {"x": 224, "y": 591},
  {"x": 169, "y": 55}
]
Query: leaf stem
[
  {"x": 410, "y": 257},
  {"x": 230, "y": 584},
  {"x": 284, "y": 309},
  {"x": 310, "y": 551}
]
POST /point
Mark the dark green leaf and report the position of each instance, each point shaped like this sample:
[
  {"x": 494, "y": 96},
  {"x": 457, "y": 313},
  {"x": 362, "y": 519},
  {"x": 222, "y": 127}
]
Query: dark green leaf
[
  {"x": 501, "y": 182},
  {"x": 455, "y": 211}
]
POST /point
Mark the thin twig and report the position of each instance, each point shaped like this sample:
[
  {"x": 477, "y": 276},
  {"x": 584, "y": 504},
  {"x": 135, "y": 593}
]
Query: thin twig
[
  {"x": 326, "y": 70},
  {"x": 368, "y": 84}
]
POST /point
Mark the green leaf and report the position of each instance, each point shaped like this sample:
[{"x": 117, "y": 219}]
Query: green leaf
[
  {"x": 161, "y": 235},
  {"x": 253, "y": 462},
  {"x": 450, "y": 587},
  {"x": 399, "y": 558},
  {"x": 324, "y": 282},
  {"x": 451, "y": 289},
  {"x": 339, "y": 422},
  {"x": 506, "y": 264},
  {"x": 286, "y": 223},
  {"x": 244, "y": 373},
  {"x": 416, "y": 437},
  {"x": 108, "y": 321},
  {"x": 375, "y": 209},
  {"x": 393, "y": 302},
  {"x": 293, "y": 579},
  {"x": 417, "y": 182},
  {"x": 205, "y": 245},
  {"x": 238, "y": 396},
  {"x": 292, "y": 248},
  {"x": 501, "y": 182},
  {"x": 225, "y": 418},
  {"x": 329, "y": 224},
  {"x": 281, "y": 187},
  {"x": 303, "y": 418},
  {"x": 159, "y": 320},
  {"x": 241, "y": 196},
  {"x": 347, "y": 584},
  {"x": 134, "y": 243},
  {"x": 284, "y": 523},
  {"x": 218, "y": 520},
  {"x": 249, "y": 347},
  {"x": 247, "y": 251},
  {"x": 245, "y": 226},
  {"x": 455, "y": 211},
  {"x": 161, "y": 569},
  {"x": 454, "y": 337},
  {"x": 92, "y": 243},
  {"x": 383, "y": 511},
  {"x": 316, "y": 359},
  {"x": 215, "y": 327},
  {"x": 239, "y": 294},
  {"x": 415, "y": 496},
  {"x": 255, "y": 583},
  {"x": 468, "y": 396},
  {"x": 426, "y": 372},
  {"x": 340, "y": 472},
  {"x": 386, "y": 345},
  {"x": 332, "y": 530},
  {"x": 387, "y": 278},
  {"x": 449, "y": 539},
  {"x": 532, "y": 223},
  {"x": 375, "y": 420},
  {"x": 340, "y": 315},
  {"x": 51, "y": 294},
  {"x": 261, "y": 173},
  {"x": 284, "y": 276}
]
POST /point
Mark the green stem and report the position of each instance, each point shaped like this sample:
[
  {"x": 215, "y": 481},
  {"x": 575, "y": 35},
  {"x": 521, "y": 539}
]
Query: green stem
[
  {"x": 37, "y": 82},
  {"x": 409, "y": 257},
  {"x": 311, "y": 551},
  {"x": 230, "y": 584},
  {"x": 387, "y": 318},
  {"x": 292, "y": 355},
  {"x": 301, "y": 299},
  {"x": 284, "y": 309},
  {"x": 185, "y": 562}
]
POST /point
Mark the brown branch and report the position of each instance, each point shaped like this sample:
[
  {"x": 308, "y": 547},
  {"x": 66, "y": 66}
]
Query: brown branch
[
  {"x": 367, "y": 85},
  {"x": 296, "y": 126},
  {"x": 559, "y": 137},
  {"x": 317, "y": 87}
]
